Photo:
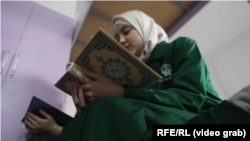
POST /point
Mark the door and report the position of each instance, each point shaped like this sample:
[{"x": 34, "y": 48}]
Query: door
[
  {"x": 38, "y": 64},
  {"x": 14, "y": 18}
]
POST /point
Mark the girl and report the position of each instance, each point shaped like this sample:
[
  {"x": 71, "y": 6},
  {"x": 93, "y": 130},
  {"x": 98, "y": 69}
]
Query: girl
[{"x": 124, "y": 113}]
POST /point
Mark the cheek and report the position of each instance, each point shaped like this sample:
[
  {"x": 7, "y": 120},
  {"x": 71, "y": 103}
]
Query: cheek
[
  {"x": 139, "y": 44},
  {"x": 135, "y": 39}
]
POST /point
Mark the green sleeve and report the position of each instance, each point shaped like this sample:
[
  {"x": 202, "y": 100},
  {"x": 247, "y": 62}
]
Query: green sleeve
[
  {"x": 188, "y": 91},
  {"x": 225, "y": 113}
]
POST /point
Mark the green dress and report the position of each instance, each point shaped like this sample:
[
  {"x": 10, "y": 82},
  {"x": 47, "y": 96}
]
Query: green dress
[{"x": 185, "y": 93}]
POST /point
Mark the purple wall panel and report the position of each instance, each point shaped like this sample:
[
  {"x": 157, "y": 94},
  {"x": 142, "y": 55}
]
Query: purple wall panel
[
  {"x": 44, "y": 52},
  {"x": 14, "y": 18}
]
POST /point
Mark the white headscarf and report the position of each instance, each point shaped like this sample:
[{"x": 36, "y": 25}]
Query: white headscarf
[{"x": 149, "y": 30}]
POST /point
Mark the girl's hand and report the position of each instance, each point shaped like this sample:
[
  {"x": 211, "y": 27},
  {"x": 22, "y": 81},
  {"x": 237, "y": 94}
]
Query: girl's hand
[
  {"x": 78, "y": 98},
  {"x": 101, "y": 87},
  {"x": 39, "y": 125}
]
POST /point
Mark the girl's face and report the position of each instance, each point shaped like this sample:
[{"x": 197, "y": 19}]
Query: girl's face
[{"x": 129, "y": 38}]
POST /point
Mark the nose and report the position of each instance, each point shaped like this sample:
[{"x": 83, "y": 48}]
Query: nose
[{"x": 122, "y": 40}]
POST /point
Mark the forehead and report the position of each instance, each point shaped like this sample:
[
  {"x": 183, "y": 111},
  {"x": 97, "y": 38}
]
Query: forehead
[{"x": 119, "y": 28}]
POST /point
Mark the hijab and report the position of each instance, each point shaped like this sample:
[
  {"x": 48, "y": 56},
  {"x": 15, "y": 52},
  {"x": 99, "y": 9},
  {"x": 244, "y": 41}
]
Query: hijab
[{"x": 150, "y": 31}]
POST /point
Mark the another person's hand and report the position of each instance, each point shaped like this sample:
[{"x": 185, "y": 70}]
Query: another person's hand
[
  {"x": 78, "y": 98},
  {"x": 101, "y": 87},
  {"x": 39, "y": 125}
]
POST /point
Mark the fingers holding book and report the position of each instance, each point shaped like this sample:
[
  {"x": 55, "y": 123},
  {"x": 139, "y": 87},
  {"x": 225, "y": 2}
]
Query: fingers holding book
[
  {"x": 74, "y": 95},
  {"x": 30, "y": 124},
  {"x": 81, "y": 98},
  {"x": 101, "y": 87},
  {"x": 78, "y": 98},
  {"x": 36, "y": 124}
]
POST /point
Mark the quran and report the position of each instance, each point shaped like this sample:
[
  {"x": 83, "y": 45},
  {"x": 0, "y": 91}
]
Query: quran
[
  {"x": 37, "y": 104},
  {"x": 104, "y": 55}
]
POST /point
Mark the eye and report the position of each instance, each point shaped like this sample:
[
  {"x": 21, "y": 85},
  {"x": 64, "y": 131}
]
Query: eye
[{"x": 126, "y": 31}]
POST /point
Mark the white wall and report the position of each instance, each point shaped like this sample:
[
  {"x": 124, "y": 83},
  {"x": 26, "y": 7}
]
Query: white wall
[
  {"x": 229, "y": 65},
  {"x": 216, "y": 23},
  {"x": 222, "y": 31},
  {"x": 66, "y": 8}
]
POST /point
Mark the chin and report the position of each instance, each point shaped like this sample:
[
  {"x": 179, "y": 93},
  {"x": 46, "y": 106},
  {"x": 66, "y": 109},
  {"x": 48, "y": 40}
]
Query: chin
[
  {"x": 133, "y": 53},
  {"x": 130, "y": 51}
]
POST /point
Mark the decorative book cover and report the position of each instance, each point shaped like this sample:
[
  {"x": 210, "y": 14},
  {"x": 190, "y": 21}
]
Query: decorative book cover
[
  {"x": 36, "y": 104},
  {"x": 105, "y": 55}
]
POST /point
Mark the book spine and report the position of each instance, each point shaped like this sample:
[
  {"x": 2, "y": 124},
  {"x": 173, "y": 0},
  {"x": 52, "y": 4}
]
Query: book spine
[{"x": 77, "y": 72}]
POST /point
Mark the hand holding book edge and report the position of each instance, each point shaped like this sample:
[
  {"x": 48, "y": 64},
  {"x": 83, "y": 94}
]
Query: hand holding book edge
[
  {"x": 78, "y": 98},
  {"x": 39, "y": 125},
  {"x": 101, "y": 87}
]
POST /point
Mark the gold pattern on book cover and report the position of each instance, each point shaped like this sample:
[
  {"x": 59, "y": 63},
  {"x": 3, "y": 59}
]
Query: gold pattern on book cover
[
  {"x": 103, "y": 55},
  {"x": 106, "y": 56}
]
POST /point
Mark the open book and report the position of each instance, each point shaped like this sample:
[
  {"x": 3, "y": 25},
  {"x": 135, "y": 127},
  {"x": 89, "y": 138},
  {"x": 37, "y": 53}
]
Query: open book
[
  {"x": 105, "y": 55},
  {"x": 37, "y": 104}
]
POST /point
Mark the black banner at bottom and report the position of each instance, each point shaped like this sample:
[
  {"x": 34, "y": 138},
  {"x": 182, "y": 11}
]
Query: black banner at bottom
[{"x": 163, "y": 132}]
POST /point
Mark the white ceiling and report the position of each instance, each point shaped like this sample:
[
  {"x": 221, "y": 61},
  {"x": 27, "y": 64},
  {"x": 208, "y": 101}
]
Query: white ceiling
[{"x": 66, "y": 8}]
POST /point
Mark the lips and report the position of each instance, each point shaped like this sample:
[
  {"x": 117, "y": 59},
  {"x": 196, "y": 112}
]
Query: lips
[{"x": 127, "y": 47}]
